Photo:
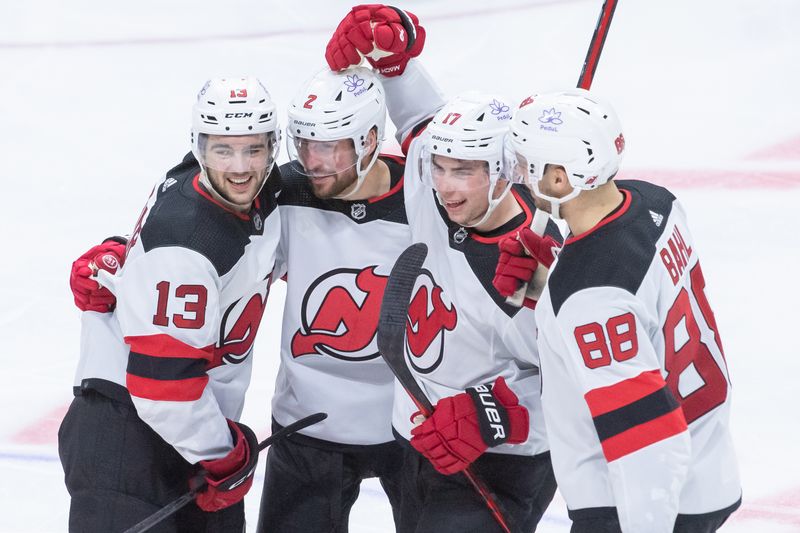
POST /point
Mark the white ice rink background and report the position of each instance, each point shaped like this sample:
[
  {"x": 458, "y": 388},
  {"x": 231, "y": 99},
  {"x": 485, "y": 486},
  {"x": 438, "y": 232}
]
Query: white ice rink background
[{"x": 94, "y": 106}]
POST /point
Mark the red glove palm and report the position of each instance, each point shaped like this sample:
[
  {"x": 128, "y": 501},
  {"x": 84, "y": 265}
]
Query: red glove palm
[
  {"x": 520, "y": 255},
  {"x": 388, "y": 36},
  {"x": 88, "y": 294},
  {"x": 228, "y": 478},
  {"x": 463, "y": 426}
]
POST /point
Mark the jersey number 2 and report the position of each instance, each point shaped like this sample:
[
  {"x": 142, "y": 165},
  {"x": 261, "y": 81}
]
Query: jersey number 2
[{"x": 194, "y": 306}]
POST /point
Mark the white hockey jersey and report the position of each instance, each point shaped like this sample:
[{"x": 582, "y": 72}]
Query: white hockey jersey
[
  {"x": 338, "y": 255},
  {"x": 190, "y": 297},
  {"x": 462, "y": 333},
  {"x": 630, "y": 354}
]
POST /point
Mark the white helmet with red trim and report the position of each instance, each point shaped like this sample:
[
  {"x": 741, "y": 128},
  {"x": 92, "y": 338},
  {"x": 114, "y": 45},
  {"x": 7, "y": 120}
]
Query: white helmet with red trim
[
  {"x": 333, "y": 106},
  {"x": 235, "y": 107},
  {"x": 472, "y": 126},
  {"x": 574, "y": 129}
]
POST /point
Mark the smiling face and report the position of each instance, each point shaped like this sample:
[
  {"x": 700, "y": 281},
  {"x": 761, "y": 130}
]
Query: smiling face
[
  {"x": 236, "y": 165},
  {"x": 463, "y": 187}
]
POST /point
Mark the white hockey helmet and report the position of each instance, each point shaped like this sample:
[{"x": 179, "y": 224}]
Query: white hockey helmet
[
  {"x": 472, "y": 126},
  {"x": 235, "y": 107},
  {"x": 333, "y": 106},
  {"x": 573, "y": 129}
]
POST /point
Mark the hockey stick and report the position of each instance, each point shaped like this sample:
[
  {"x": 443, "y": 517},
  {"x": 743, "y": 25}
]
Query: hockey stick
[
  {"x": 533, "y": 289},
  {"x": 391, "y": 345},
  {"x": 178, "y": 503},
  {"x": 596, "y": 44}
]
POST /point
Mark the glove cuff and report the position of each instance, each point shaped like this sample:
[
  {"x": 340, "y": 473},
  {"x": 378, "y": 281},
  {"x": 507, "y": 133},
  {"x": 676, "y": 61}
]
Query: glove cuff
[
  {"x": 117, "y": 239},
  {"x": 500, "y": 417},
  {"x": 492, "y": 416},
  {"x": 239, "y": 458}
]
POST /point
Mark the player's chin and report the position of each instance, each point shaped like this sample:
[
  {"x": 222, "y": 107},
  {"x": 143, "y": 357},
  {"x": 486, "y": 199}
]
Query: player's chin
[{"x": 323, "y": 186}]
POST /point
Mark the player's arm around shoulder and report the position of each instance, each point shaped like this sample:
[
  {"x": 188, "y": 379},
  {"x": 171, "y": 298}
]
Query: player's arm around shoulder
[{"x": 639, "y": 423}]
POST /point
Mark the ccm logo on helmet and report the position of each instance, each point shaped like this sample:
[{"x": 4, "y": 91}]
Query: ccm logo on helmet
[{"x": 238, "y": 115}]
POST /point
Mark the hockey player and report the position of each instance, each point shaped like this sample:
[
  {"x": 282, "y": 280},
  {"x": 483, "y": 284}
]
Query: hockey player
[
  {"x": 161, "y": 380},
  {"x": 343, "y": 226},
  {"x": 465, "y": 344},
  {"x": 637, "y": 396}
]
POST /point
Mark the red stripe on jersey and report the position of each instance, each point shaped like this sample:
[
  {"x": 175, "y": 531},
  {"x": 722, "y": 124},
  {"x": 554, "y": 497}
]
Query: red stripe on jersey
[
  {"x": 180, "y": 390},
  {"x": 606, "y": 399},
  {"x": 644, "y": 435},
  {"x": 163, "y": 345},
  {"x": 393, "y": 190},
  {"x": 625, "y": 205}
]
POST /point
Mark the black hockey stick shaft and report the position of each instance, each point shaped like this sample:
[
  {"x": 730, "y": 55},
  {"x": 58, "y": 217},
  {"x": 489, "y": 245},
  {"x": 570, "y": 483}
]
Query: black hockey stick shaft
[
  {"x": 596, "y": 44},
  {"x": 179, "y": 503},
  {"x": 391, "y": 345}
]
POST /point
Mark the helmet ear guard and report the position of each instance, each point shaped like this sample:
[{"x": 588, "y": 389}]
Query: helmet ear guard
[
  {"x": 333, "y": 106},
  {"x": 573, "y": 129}
]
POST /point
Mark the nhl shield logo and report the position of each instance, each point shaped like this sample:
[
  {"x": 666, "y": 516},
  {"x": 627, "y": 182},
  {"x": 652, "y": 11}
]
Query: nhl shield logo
[
  {"x": 460, "y": 235},
  {"x": 257, "y": 222},
  {"x": 358, "y": 211}
]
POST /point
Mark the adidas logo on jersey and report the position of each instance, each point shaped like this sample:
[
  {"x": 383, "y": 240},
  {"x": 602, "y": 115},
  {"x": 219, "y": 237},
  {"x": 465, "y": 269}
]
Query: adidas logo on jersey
[
  {"x": 657, "y": 218},
  {"x": 169, "y": 182}
]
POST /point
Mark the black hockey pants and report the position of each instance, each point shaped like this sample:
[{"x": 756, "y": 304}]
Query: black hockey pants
[
  {"x": 118, "y": 471},
  {"x": 310, "y": 485},
  {"x": 435, "y": 503}
]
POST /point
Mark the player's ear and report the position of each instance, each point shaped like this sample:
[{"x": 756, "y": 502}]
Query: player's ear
[
  {"x": 372, "y": 140},
  {"x": 560, "y": 179}
]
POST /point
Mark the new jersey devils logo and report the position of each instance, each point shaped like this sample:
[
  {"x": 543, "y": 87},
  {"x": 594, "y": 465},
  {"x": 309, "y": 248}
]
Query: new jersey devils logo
[
  {"x": 236, "y": 343},
  {"x": 339, "y": 315},
  {"x": 428, "y": 318}
]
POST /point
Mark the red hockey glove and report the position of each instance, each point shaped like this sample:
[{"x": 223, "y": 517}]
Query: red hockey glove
[
  {"x": 463, "y": 426},
  {"x": 228, "y": 478},
  {"x": 388, "y": 36},
  {"x": 520, "y": 255},
  {"x": 88, "y": 294}
]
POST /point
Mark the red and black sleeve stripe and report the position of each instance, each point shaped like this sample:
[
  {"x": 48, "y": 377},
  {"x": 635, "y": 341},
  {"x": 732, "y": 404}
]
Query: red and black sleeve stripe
[
  {"x": 162, "y": 368},
  {"x": 634, "y": 413}
]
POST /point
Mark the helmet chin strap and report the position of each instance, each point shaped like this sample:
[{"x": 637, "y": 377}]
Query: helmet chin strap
[
  {"x": 493, "y": 203},
  {"x": 555, "y": 203},
  {"x": 361, "y": 174}
]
